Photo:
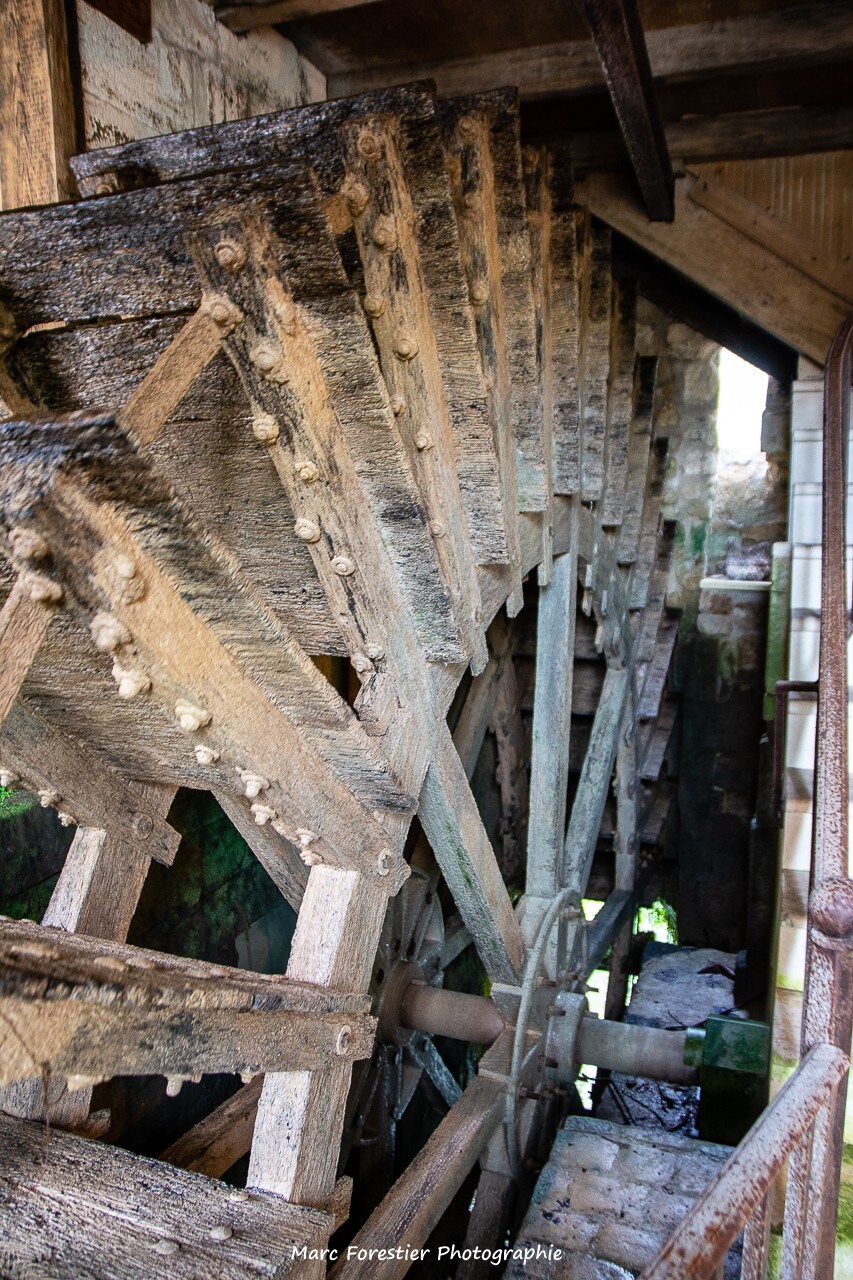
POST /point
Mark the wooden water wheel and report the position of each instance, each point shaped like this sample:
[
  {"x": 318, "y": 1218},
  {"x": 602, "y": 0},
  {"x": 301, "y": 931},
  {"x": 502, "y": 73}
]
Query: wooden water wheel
[{"x": 333, "y": 382}]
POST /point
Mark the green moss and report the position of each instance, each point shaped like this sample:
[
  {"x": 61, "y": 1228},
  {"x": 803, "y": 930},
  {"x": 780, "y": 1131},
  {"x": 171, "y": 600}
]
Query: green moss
[
  {"x": 13, "y": 803},
  {"x": 698, "y": 538}
]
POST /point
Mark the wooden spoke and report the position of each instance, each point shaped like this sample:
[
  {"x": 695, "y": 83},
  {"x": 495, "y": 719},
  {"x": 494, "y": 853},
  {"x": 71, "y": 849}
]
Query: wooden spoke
[
  {"x": 219, "y": 1140},
  {"x": 24, "y": 621},
  {"x": 645, "y": 376},
  {"x": 623, "y": 335}
]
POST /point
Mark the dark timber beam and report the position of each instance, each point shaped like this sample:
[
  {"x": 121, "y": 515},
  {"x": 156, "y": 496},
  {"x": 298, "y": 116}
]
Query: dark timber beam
[
  {"x": 621, "y": 45},
  {"x": 241, "y": 16}
]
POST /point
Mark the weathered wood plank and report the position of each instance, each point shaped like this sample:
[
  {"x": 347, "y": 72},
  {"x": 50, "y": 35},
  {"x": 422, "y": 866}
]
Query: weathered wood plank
[
  {"x": 645, "y": 377},
  {"x": 727, "y": 261},
  {"x": 72, "y": 779},
  {"x": 97, "y": 1211},
  {"x": 301, "y": 1114},
  {"x": 602, "y": 932},
  {"x": 552, "y": 714},
  {"x": 538, "y": 204},
  {"x": 417, "y": 1200},
  {"x": 37, "y": 133},
  {"x": 278, "y": 857},
  {"x": 511, "y": 773},
  {"x": 24, "y": 620},
  {"x": 86, "y": 1007},
  {"x": 596, "y": 304},
  {"x": 623, "y": 333},
  {"x": 571, "y": 238},
  {"x": 472, "y": 725},
  {"x": 654, "y": 679},
  {"x": 451, "y": 821},
  {"x": 242, "y": 16},
  {"x": 650, "y": 526},
  {"x": 594, "y": 783},
  {"x": 470, "y": 165}
]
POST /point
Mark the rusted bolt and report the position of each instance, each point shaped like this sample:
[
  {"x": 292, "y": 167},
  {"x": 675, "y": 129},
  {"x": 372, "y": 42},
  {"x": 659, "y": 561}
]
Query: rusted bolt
[
  {"x": 131, "y": 681},
  {"x": 362, "y": 664},
  {"x": 253, "y": 783},
  {"x": 166, "y": 1247},
  {"x": 306, "y": 530},
  {"x": 376, "y": 652},
  {"x": 263, "y": 814},
  {"x": 438, "y": 528},
  {"x": 125, "y": 567},
  {"x": 406, "y": 346},
  {"x": 831, "y": 907},
  {"x": 398, "y": 404},
  {"x": 230, "y": 255},
  {"x": 471, "y": 204},
  {"x": 48, "y": 798},
  {"x": 374, "y": 305},
  {"x": 66, "y": 819}
]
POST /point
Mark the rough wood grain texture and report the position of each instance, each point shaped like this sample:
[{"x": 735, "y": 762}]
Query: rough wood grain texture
[
  {"x": 36, "y": 104},
  {"x": 417, "y": 1200},
  {"x": 234, "y": 670},
  {"x": 116, "y": 1213},
  {"x": 301, "y": 1114},
  {"x": 655, "y": 742},
  {"x": 538, "y": 206},
  {"x": 243, "y": 16},
  {"x": 415, "y": 362},
  {"x": 24, "y": 621},
  {"x": 623, "y": 334},
  {"x": 473, "y": 723},
  {"x": 596, "y": 306},
  {"x": 617, "y": 30},
  {"x": 639, "y": 444},
  {"x": 81, "y": 786},
  {"x": 650, "y": 523},
  {"x": 571, "y": 240},
  {"x": 693, "y": 50},
  {"x": 221, "y": 1138},
  {"x": 552, "y": 714},
  {"x": 88, "y": 1007},
  {"x": 452, "y": 824},
  {"x": 511, "y": 773},
  {"x": 728, "y": 262},
  {"x": 657, "y": 670},
  {"x": 470, "y": 163},
  {"x": 594, "y": 783}
]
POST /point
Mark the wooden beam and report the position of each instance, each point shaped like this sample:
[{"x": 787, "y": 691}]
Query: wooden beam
[
  {"x": 247, "y": 16},
  {"x": 82, "y": 785},
  {"x": 24, "y": 621},
  {"x": 759, "y": 281},
  {"x": 451, "y": 821},
  {"x": 740, "y": 135},
  {"x": 278, "y": 857},
  {"x": 110, "y": 1212},
  {"x": 221, "y": 1138},
  {"x": 416, "y": 1202},
  {"x": 594, "y": 783},
  {"x": 126, "y": 1011},
  {"x": 617, "y": 911},
  {"x": 37, "y": 131},
  {"x": 783, "y": 38},
  {"x": 617, "y": 30}
]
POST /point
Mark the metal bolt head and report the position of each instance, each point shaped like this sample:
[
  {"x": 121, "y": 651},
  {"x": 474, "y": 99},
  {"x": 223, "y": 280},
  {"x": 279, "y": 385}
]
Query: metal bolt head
[
  {"x": 267, "y": 360},
  {"x": 375, "y": 652},
  {"x": 398, "y": 404},
  {"x": 423, "y": 441},
  {"x": 406, "y": 346},
  {"x": 230, "y": 255},
  {"x": 384, "y": 862},
  {"x": 108, "y": 633},
  {"x": 479, "y": 294},
  {"x": 205, "y": 755},
  {"x": 343, "y": 566},
  {"x": 357, "y": 198},
  {"x": 221, "y": 1232},
  {"x": 342, "y": 1044},
  {"x": 143, "y": 825},
  {"x": 41, "y": 588},
  {"x": 166, "y": 1247},
  {"x": 223, "y": 313},
  {"x": 438, "y": 528},
  {"x": 467, "y": 128},
  {"x": 384, "y": 233},
  {"x": 374, "y": 305},
  {"x": 362, "y": 664},
  {"x": 28, "y": 544},
  {"x": 307, "y": 472},
  {"x": 306, "y": 530}
]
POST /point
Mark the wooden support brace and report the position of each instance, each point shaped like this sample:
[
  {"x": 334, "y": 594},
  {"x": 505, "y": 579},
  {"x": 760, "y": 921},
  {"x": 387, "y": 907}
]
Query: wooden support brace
[
  {"x": 24, "y": 621},
  {"x": 451, "y": 821}
]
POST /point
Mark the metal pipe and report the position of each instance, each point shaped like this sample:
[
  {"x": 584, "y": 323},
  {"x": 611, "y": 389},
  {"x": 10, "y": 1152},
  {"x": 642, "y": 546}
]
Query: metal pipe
[
  {"x": 649, "y": 1052},
  {"x": 702, "y": 1240},
  {"x": 450, "y": 1013}
]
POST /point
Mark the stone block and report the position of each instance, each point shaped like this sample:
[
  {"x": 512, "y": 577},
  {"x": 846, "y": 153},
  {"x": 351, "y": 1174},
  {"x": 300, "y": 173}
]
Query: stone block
[
  {"x": 596, "y": 1194},
  {"x": 648, "y": 1164},
  {"x": 631, "y": 1247},
  {"x": 713, "y": 624},
  {"x": 688, "y": 344},
  {"x": 585, "y": 1151}
]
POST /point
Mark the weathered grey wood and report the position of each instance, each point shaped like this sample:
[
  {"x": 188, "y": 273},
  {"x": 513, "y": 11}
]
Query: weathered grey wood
[
  {"x": 470, "y": 162},
  {"x": 645, "y": 376},
  {"x": 596, "y": 306},
  {"x": 24, "y": 620},
  {"x": 122, "y": 1010},
  {"x": 655, "y": 742},
  {"x": 511, "y": 773},
  {"x": 552, "y": 713},
  {"x": 570, "y": 268},
  {"x": 451, "y": 821},
  {"x": 84, "y": 788},
  {"x": 655, "y": 600},
  {"x": 623, "y": 332},
  {"x": 95, "y": 1211},
  {"x": 494, "y": 1201},
  {"x": 473, "y": 723},
  {"x": 650, "y": 527},
  {"x": 418, "y": 1199},
  {"x": 654, "y": 679},
  {"x": 301, "y": 1114},
  {"x": 594, "y": 783},
  {"x": 278, "y": 857},
  {"x": 221, "y": 1138},
  {"x": 617, "y": 911},
  {"x": 538, "y": 203}
]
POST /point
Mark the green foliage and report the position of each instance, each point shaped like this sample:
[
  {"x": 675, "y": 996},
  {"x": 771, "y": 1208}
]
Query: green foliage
[
  {"x": 660, "y": 920},
  {"x": 13, "y": 803}
]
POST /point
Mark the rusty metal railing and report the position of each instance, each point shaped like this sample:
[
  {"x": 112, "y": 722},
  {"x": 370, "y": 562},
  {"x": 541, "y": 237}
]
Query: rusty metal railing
[{"x": 804, "y": 1125}]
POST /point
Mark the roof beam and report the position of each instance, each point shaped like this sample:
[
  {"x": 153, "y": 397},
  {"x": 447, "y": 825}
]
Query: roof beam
[
  {"x": 784, "y": 38},
  {"x": 244, "y": 17},
  {"x": 618, "y": 34}
]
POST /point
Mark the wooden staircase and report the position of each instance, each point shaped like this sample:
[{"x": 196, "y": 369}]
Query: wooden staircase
[{"x": 330, "y": 382}]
